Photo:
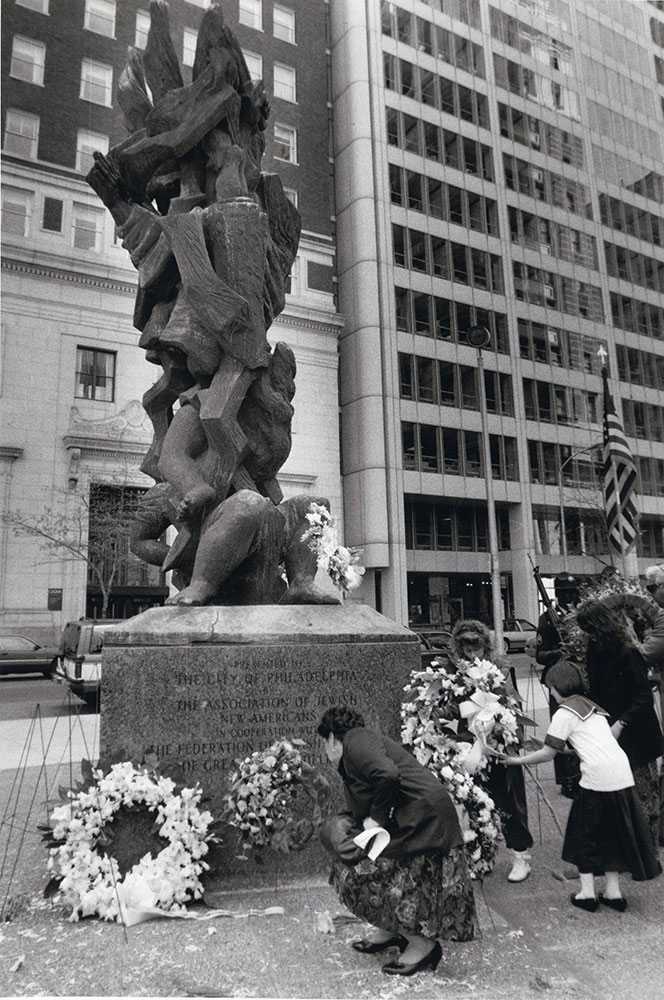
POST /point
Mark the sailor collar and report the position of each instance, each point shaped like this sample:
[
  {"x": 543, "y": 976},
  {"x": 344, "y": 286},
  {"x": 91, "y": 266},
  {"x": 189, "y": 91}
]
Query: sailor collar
[{"x": 581, "y": 706}]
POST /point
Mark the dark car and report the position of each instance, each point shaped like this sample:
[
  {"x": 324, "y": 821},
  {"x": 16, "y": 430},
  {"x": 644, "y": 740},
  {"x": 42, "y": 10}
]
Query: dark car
[
  {"x": 21, "y": 655},
  {"x": 433, "y": 643}
]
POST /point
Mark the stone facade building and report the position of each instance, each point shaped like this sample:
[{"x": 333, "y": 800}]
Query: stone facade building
[{"x": 71, "y": 375}]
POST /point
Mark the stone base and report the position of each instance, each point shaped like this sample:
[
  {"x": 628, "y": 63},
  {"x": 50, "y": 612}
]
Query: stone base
[{"x": 204, "y": 687}]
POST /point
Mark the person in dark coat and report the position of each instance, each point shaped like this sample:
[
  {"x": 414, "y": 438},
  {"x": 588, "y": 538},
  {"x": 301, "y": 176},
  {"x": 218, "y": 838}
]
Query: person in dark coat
[
  {"x": 618, "y": 682},
  {"x": 418, "y": 889},
  {"x": 472, "y": 640},
  {"x": 566, "y": 766}
]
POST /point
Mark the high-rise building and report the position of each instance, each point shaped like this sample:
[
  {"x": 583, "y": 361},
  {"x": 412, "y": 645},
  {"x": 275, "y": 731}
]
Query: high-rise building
[
  {"x": 71, "y": 373},
  {"x": 499, "y": 164}
]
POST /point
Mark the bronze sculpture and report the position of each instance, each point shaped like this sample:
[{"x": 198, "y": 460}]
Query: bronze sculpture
[{"x": 213, "y": 239}]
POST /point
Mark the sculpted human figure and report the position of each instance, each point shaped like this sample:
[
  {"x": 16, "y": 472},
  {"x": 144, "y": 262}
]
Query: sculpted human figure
[{"x": 213, "y": 239}]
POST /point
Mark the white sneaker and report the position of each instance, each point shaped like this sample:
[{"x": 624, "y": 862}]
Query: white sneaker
[{"x": 521, "y": 867}]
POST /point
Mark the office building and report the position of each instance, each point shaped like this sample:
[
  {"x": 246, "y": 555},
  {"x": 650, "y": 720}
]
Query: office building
[{"x": 498, "y": 164}]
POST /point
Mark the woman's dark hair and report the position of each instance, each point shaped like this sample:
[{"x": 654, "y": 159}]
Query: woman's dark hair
[
  {"x": 602, "y": 624},
  {"x": 339, "y": 720},
  {"x": 565, "y": 678}
]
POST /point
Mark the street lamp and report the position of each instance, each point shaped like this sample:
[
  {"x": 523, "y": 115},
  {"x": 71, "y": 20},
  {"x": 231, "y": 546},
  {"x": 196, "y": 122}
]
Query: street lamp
[
  {"x": 479, "y": 337},
  {"x": 588, "y": 450}
]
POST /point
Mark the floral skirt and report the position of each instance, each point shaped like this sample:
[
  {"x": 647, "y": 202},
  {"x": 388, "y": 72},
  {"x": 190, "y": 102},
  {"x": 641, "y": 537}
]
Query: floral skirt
[{"x": 427, "y": 894}]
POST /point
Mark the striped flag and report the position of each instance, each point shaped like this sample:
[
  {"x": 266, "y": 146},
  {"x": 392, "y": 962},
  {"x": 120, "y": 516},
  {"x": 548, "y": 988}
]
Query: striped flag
[{"x": 619, "y": 480}]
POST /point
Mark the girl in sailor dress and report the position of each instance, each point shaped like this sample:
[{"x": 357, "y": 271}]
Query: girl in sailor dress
[{"x": 607, "y": 831}]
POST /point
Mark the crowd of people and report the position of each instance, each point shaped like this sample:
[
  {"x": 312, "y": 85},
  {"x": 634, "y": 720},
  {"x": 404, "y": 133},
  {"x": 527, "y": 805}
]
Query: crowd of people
[{"x": 605, "y": 734}]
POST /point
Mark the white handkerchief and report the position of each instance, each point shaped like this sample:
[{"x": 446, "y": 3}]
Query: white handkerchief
[{"x": 380, "y": 837}]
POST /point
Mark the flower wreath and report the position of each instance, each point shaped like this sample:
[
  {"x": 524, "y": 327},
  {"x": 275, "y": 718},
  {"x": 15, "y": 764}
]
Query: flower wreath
[
  {"x": 628, "y": 598},
  {"x": 89, "y": 878},
  {"x": 339, "y": 562},
  {"x": 263, "y": 793},
  {"x": 439, "y": 700}
]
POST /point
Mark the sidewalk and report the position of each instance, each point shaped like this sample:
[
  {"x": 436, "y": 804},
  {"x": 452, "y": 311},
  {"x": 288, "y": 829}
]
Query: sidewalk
[{"x": 532, "y": 940}]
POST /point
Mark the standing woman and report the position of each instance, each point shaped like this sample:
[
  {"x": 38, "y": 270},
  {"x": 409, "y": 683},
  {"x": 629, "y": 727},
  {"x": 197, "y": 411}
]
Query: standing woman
[
  {"x": 418, "y": 891},
  {"x": 618, "y": 682}
]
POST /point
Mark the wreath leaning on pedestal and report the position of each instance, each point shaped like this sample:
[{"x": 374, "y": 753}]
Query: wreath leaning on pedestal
[{"x": 87, "y": 874}]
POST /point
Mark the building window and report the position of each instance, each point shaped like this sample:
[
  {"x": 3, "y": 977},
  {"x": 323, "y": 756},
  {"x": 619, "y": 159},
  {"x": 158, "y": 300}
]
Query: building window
[
  {"x": 96, "y": 82},
  {"x": 199, "y": 3},
  {"x": 284, "y": 24},
  {"x": 28, "y": 60},
  {"x": 284, "y": 82},
  {"x": 21, "y": 134},
  {"x": 16, "y": 211},
  {"x": 254, "y": 64},
  {"x": 88, "y": 225},
  {"x": 40, "y": 6},
  {"x": 100, "y": 17},
  {"x": 142, "y": 29},
  {"x": 251, "y": 13},
  {"x": 95, "y": 374},
  {"x": 285, "y": 140},
  {"x": 86, "y": 144},
  {"x": 52, "y": 216},
  {"x": 293, "y": 196},
  {"x": 189, "y": 40}
]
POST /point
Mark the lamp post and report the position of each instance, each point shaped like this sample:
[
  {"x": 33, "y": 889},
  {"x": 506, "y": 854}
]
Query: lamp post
[
  {"x": 588, "y": 450},
  {"x": 479, "y": 337}
]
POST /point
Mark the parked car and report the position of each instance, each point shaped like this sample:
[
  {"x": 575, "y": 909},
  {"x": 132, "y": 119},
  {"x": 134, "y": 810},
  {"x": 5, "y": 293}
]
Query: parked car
[
  {"x": 433, "y": 643},
  {"x": 516, "y": 633},
  {"x": 22, "y": 655},
  {"x": 79, "y": 659}
]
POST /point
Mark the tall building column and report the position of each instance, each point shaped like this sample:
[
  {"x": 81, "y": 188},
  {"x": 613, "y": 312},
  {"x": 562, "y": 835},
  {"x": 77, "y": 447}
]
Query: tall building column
[{"x": 7, "y": 458}]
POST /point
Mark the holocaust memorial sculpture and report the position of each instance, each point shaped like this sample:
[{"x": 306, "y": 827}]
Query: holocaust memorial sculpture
[{"x": 252, "y": 648}]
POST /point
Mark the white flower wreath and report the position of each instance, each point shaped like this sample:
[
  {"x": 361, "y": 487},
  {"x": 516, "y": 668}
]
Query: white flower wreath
[
  {"x": 439, "y": 699},
  {"x": 342, "y": 564},
  {"x": 91, "y": 882}
]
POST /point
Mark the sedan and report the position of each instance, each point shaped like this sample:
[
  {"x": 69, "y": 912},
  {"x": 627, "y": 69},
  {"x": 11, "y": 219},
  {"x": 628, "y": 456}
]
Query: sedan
[
  {"x": 516, "y": 633},
  {"x": 20, "y": 655}
]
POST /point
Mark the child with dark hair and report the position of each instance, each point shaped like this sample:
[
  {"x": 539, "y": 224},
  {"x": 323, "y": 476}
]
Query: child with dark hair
[{"x": 607, "y": 831}]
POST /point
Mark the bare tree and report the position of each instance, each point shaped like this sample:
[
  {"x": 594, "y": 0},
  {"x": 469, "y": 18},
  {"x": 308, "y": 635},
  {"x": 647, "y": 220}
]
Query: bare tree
[{"x": 93, "y": 529}]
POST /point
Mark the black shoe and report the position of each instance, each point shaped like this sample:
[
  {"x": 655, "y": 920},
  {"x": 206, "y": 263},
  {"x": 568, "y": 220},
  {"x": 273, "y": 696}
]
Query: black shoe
[
  {"x": 619, "y": 904},
  {"x": 371, "y": 947},
  {"x": 590, "y": 904},
  {"x": 429, "y": 961}
]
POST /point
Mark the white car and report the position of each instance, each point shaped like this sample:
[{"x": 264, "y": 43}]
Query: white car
[{"x": 516, "y": 633}]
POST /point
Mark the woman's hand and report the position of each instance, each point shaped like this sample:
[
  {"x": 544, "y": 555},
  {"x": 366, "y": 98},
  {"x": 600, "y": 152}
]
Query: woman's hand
[
  {"x": 503, "y": 758},
  {"x": 370, "y": 824}
]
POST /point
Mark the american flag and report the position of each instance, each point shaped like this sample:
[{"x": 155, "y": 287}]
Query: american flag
[{"x": 619, "y": 480}]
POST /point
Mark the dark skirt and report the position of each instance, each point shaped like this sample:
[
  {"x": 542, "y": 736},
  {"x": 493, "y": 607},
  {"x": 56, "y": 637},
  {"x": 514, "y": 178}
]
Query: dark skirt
[
  {"x": 427, "y": 894},
  {"x": 608, "y": 832},
  {"x": 646, "y": 782}
]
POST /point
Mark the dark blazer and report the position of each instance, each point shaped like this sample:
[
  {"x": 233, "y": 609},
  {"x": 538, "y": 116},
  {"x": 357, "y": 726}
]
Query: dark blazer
[
  {"x": 618, "y": 681},
  {"x": 384, "y": 781}
]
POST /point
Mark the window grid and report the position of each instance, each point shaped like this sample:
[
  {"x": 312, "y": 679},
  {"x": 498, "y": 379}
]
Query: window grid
[
  {"x": 21, "y": 134},
  {"x": 99, "y": 17},
  {"x": 285, "y": 140},
  {"x": 189, "y": 40},
  {"x": 27, "y": 61},
  {"x": 254, "y": 64},
  {"x": 284, "y": 82},
  {"x": 449, "y": 527},
  {"x": 16, "y": 211},
  {"x": 142, "y": 29},
  {"x": 95, "y": 374},
  {"x": 251, "y": 13},
  {"x": 430, "y": 448},
  {"x": 284, "y": 24},
  {"x": 86, "y": 144},
  {"x": 39, "y": 6},
  {"x": 88, "y": 227},
  {"x": 96, "y": 82}
]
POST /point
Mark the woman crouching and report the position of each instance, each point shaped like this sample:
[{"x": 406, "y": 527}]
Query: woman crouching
[{"x": 418, "y": 891}]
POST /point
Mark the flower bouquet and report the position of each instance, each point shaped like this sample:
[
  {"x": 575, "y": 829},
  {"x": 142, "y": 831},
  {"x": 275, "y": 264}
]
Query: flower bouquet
[
  {"x": 264, "y": 791},
  {"x": 339, "y": 562},
  {"x": 474, "y": 698},
  {"x": 165, "y": 831}
]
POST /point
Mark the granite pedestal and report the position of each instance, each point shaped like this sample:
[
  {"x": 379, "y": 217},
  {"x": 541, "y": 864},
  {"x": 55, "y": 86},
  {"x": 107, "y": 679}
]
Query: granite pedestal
[{"x": 203, "y": 687}]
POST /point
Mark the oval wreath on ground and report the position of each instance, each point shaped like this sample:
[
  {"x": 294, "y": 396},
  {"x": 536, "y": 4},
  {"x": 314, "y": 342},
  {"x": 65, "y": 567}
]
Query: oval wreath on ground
[{"x": 129, "y": 837}]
